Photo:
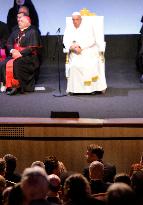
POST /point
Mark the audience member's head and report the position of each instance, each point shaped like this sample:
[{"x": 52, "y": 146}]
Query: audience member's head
[
  {"x": 10, "y": 163},
  {"x": 135, "y": 167},
  {"x": 2, "y": 167},
  {"x": 52, "y": 165},
  {"x": 76, "y": 186},
  {"x": 62, "y": 167},
  {"x": 122, "y": 177},
  {"x": 38, "y": 163},
  {"x": 96, "y": 170},
  {"x": 34, "y": 183},
  {"x": 137, "y": 182},
  {"x": 120, "y": 194},
  {"x": 94, "y": 152},
  {"x": 2, "y": 183},
  {"x": 54, "y": 183},
  {"x": 76, "y": 18}
]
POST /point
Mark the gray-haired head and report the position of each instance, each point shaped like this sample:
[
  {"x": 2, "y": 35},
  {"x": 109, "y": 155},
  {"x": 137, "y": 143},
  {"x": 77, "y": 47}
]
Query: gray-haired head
[
  {"x": 120, "y": 193},
  {"x": 34, "y": 183},
  {"x": 96, "y": 170}
]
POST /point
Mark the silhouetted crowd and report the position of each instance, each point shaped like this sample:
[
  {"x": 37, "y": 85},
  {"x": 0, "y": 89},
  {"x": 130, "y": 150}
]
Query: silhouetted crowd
[{"x": 49, "y": 182}]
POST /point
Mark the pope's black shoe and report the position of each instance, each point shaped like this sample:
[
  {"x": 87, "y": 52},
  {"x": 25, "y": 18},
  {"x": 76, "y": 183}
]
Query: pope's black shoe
[{"x": 13, "y": 91}]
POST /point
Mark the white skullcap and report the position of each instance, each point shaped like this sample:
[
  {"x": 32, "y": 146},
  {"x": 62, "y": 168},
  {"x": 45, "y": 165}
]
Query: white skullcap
[{"x": 76, "y": 13}]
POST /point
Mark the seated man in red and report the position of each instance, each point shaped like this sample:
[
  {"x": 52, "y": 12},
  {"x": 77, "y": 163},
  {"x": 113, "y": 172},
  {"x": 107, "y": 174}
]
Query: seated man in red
[{"x": 18, "y": 71}]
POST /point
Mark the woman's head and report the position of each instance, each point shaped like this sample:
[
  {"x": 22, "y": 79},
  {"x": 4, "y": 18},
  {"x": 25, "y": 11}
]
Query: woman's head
[{"x": 20, "y": 2}]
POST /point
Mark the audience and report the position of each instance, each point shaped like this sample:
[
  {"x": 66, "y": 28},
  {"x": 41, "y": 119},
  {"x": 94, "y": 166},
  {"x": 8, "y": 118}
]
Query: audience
[
  {"x": 96, "y": 171},
  {"x": 120, "y": 194},
  {"x": 38, "y": 163},
  {"x": 40, "y": 184},
  {"x": 52, "y": 165},
  {"x": 137, "y": 185},
  {"x": 10, "y": 173},
  {"x": 54, "y": 189},
  {"x": 34, "y": 183},
  {"x": 96, "y": 152},
  {"x": 122, "y": 177},
  {"x": 33, "y": 186},
  {"x": 77, "y": 191}
]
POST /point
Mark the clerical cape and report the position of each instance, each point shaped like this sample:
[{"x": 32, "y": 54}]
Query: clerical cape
[{"x": 24, "y": 67}]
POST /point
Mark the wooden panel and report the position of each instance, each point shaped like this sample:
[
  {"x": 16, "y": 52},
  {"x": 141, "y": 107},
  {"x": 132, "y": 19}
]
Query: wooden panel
[
  {"x": 32, "y": 139},
  {"x": 122, "y": 153}
]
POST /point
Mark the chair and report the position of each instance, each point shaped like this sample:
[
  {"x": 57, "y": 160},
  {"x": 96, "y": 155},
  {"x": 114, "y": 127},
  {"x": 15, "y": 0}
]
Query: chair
[{"x": 2, "y": 54}]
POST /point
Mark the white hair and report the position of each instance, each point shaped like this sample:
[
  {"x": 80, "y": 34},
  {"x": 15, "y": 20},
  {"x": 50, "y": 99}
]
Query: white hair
[
  {"x": 76, "y": 13},
  {"x": 34, "y": 183},
  {"x": 96, "y": 164}
]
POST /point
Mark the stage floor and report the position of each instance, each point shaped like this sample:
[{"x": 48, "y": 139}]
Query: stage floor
[{"x": 123, "y": 99}]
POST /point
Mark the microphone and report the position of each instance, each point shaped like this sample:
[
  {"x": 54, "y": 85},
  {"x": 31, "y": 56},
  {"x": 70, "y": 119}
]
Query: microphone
[{"x": 58, "y": 30}]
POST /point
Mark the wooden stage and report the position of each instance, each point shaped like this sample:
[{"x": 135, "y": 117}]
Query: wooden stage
[{"x": 31, "y": 139}]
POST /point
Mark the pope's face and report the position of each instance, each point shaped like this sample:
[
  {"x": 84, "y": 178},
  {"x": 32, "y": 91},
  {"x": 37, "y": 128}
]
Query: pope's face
[
  {"x": 20, "y": 2},
  {"x": 76, "y": 21}
]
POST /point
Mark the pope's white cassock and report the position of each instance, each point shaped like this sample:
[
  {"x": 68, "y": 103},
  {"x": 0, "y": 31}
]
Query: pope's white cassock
[{"x": 85, "y": 72}]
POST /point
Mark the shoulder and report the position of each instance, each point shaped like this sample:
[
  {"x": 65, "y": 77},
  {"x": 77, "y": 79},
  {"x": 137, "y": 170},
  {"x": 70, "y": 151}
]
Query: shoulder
[
  {"x": 91, "y": 201},
  {"x": 108, "y": 165},
  {"x": 15, "y": 31},
  {"x": 33, "y": 29}
]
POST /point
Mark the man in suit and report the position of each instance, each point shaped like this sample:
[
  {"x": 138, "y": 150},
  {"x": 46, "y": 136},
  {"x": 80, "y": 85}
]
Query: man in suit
[{"x": 95, "y": 153}]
